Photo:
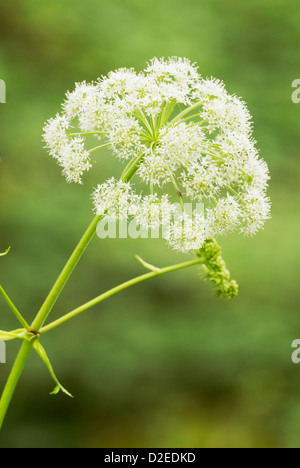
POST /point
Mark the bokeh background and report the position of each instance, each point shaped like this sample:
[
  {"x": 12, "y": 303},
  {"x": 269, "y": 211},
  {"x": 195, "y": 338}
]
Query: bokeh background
[{"x": 165, "y": 364}]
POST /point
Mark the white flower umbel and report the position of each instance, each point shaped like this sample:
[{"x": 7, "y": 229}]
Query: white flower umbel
[{"x": 181, "y": 134}]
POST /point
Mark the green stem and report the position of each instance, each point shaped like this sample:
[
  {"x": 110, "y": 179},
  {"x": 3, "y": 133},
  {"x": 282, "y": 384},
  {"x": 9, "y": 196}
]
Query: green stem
[
  {"x": 167, "y": 113},
  {"x": 178, "y": 191},
  {"x": 236, "y": 194},
  {"x": 141, "y": 116},
  {"x": 118, "y": 289},
  {"x": 184, "y": 113},
  {"x": 132, "y": 168},
  {"x": 99, "y": 147},
  {"x": 14, "y": 309},
  {"x": 14, "y": 378},
  {"x": 65, "y": 275}
]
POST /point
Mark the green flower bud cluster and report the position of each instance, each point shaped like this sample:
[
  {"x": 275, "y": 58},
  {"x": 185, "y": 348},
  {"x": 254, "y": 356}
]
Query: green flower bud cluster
[{"x": 216, "y": 271}]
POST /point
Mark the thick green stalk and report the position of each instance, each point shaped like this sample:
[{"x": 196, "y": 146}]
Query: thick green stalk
[
  {"x": 14, "y": 379},
  {"x": 64, "y": 276}
]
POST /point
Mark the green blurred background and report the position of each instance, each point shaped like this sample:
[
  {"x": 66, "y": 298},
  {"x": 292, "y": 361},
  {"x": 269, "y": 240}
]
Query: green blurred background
[{"x": 165, "y": 364}]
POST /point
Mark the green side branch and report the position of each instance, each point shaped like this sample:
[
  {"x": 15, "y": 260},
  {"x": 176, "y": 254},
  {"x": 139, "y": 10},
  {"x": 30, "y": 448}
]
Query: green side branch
[
  {"x": 5, "y": 253},
  {"x": 154, "y": 273},
  {"x": 32, "y": 339}
]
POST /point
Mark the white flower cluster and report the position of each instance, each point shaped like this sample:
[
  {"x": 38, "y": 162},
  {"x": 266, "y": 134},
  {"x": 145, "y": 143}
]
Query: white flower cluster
[
  {"x": 178, "y": 130},
  {"x": 118, "y": 201},
  {"x": 115, "y": 199}
]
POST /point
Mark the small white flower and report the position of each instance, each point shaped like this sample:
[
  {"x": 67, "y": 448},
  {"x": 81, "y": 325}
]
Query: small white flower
[
  {"x": 74, "y": 160},
  {"x": 154, "y": 212},
  {"x": 202, "y": 181},
  {"x": 256, "y": 212},
  {"x": 115, "y": 199},
  {"x": 224, "y": 217},
  {"x": 187, "y": 233},
  {"x": 55, "y": 135}
]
